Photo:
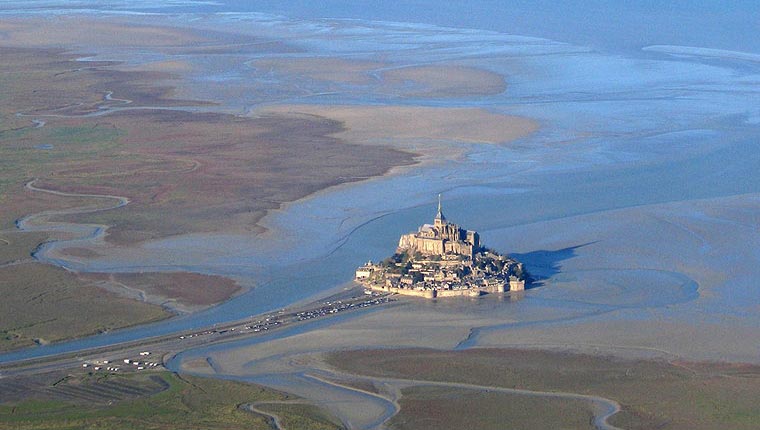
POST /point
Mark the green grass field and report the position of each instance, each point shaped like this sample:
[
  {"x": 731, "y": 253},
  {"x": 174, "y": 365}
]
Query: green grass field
[
  {"x": 15, "y": 246},
  {"x": 43, "y": 303},
  {"x": 185, "y": 403}
]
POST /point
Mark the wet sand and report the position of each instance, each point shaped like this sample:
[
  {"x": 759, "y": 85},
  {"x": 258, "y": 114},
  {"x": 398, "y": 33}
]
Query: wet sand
[
  {"x": 407, "y": 81},
  {"x": 446, "y": 82},
  {"x": 435, "y": 135},
  {"x": 333, "y": 70},
  {"x": 416, "y": 126}
]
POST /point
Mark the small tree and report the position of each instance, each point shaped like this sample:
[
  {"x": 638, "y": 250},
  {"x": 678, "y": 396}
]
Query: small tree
[{"x": 405, "y": 268}]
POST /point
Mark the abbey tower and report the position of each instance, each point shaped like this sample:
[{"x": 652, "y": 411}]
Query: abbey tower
[{"x": 441, "y": 238}]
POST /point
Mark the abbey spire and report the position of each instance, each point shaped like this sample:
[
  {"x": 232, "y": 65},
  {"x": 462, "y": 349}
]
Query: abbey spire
[{"x": 439, "y": 218}]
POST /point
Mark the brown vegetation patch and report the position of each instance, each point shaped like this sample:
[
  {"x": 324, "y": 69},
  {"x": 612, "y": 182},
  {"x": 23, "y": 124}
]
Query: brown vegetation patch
[
  {"x": 15, "y": 246},
  {"x": 52, "y": 82},
  {"x": 214, "y": 167},
  {"x": 653, "y": 394},
  {"x": 441, "y": 408},
  {"x": 184, "y": 172},
  {"x": 18, "y": 202},
  {"x": 192, "y": 289},
  {"x": 79, "y": 389}
]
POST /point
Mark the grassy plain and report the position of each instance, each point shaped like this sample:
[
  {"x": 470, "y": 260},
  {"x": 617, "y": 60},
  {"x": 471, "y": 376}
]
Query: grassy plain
[
  {"x": 298, "y": 415},
  {"x": 424, "y": 408},
  {"x": 653, "y": 394},
  {"x": 43, "y": 304},
  {"x": 16, "y": 246},
  {"x": 163, "y": 401},
  {"x": 203, "y": 168},
  {"x": 189, "y": 290}
]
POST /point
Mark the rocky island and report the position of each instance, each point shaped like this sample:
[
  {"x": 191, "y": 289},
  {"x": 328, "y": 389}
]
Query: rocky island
[{"x": 443, "y": 260}]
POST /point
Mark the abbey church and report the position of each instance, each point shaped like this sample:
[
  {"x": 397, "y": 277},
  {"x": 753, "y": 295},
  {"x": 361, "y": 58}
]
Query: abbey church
[{"x": 441, "y": 238}]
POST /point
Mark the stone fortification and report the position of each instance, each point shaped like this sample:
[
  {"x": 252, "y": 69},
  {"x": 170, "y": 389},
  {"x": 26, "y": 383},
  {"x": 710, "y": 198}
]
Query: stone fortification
[{"x": 443, "y": 260}]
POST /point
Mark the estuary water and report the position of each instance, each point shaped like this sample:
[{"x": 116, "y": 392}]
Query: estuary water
[{"x": 637, "y": 200}]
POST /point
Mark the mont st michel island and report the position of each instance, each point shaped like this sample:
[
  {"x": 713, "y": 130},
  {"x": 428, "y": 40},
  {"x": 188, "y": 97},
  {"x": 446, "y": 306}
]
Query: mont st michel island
[{"x": 443, "y": 260}]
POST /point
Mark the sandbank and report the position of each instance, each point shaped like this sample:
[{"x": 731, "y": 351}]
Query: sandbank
[
  {"x": 445, "y": 81},
  {"x": 433, "y": 132},
  {"x": 69, "y": 31},
  {"x": 326, "y": 69},
  {"x": 408, "y": 81}
]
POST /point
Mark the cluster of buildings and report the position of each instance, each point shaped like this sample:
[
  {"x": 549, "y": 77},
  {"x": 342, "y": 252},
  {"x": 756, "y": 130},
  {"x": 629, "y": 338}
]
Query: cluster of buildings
[
  {"x": 443, "y": 260},
  {"x": 110, "y": 366}
]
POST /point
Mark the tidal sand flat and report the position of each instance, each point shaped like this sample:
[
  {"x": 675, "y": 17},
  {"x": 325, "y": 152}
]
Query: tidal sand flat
[
  {"x": 434, "y": 132},
  {"x": 404, "y": 81},
  {"x": 329, "y": 70},
  {"x": 433, "y": 81}
]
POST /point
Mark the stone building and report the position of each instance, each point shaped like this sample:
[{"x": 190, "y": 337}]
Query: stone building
[
  {"x": 364, "y": 272},
  {"x": 441, "y": 238}
]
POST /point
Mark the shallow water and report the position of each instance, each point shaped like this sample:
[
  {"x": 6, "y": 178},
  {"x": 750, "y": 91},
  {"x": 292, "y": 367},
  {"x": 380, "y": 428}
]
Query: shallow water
[{"x": 623, "y": 128}]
